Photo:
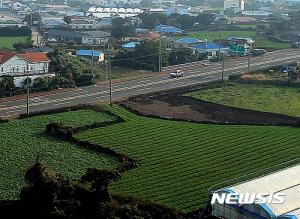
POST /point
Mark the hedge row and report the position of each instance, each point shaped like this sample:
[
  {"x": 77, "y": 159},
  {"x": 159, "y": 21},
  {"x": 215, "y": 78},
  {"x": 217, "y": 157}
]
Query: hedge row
[
  {"x": 65, "y": 133},
  {"x": 34, "y": 90},
  {"x": 62, "y": 110}
]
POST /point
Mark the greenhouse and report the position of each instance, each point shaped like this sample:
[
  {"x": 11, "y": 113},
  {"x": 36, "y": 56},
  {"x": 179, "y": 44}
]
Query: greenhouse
[{"x": 284, "y": 184}]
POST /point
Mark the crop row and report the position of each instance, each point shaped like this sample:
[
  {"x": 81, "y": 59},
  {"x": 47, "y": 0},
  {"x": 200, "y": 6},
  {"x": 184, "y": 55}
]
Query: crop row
[{"x": 179, "y": 161}]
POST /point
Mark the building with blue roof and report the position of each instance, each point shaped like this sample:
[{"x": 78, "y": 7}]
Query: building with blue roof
[
  {"x": 94, "y": 55},
  {"x": 130, "y": 45},
  {"x": 211, "y": 49},
  {"x": 187, "y": 42},
  {"x": 167, "y": 29}
]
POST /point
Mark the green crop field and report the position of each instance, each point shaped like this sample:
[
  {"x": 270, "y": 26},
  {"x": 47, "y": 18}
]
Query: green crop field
[
  {"x": 213, "y": 35},
  {"x": 179, "y": 161},
  {"x": 273, "y": 99},
  {"x": 8, "y": 41},
  {"x": 270, "y": 44},
  {"x": 23, "y": 140},
  {"x": 246, "y": 26}
]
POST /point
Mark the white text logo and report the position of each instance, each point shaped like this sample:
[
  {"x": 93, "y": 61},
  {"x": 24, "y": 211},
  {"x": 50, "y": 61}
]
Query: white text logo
[{"x": 247, "y": 198}]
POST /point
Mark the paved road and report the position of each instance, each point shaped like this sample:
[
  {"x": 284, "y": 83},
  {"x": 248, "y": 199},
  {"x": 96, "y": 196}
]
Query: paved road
[
  {"x": 194, "y": 74},
  {"x": 36, "y": 37}
]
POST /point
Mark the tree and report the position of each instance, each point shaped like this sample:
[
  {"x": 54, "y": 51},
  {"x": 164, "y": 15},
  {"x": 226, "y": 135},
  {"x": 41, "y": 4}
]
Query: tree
[
  {"x": 205, "y": 18},
  {"x": 182, "y": 56},
  {"x": 145, "y": 56},
  {"x": 40, "y": 83},
  {"x": 100, "y": 180},
  {"x": 67, "y": 19},
  {"x": 120, "y": 28},
  {"x": 150, "y": 21},
  {"x": 27, "y": 81},
  {"x": 7, "y": 84},
  {"x": 21, "y": 46}
]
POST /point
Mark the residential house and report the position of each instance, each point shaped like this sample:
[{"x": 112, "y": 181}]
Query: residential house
[
  {"x": 19, "y": 65},
  {"x": 86, "y": 38},
  {"x": 187, "y": 42},
  {"x": 11, "y": 23},
  {"x": 95, "y": 37},
  {"x": 103, "y": 23},
  {"x": 20, "y": 9},
  {"x": 94, "y": 55},
  {"x": 147, "y": 35},
  {"x": 211, "y": 49},
  {"x": 240, "y": 46},
  {"x": 168, "y": 42},
  {"x": 4, "y": 8},
  {"x": 52, "y": 23},
  {"x": 165, "y": 29},
  {"x": 82, "y": 24},
  {"x": 66, "y": 36}
]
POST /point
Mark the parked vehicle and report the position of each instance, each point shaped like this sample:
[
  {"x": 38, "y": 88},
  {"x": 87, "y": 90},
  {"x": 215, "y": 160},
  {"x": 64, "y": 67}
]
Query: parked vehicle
[
  {"x": 258, "y": 52},
  {"x": 176, "y": 74}
]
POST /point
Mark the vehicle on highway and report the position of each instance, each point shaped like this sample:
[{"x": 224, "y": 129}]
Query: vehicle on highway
[
  {"x": 258, "y": 52},
  {"x": 176, "y": 74}
]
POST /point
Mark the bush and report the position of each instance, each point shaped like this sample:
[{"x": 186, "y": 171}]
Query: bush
[
  {"x": 83, "y": 80},
  {"x": 3, "y": 120}
]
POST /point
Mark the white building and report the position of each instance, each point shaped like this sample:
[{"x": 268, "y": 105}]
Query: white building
[
  {"x": 100, "y": 12},
  {"x": 35, "y": 64},
  {"x": 236, "y": 5}
]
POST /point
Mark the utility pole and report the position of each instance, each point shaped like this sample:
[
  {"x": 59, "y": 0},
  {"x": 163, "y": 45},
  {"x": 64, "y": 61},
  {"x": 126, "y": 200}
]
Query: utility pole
[
  {"x": 223, "y": 69},
  {"x": 109, "y": 67},
  {"x": 92, "y": 55},
  {"x": 159, "y": 55},
  {"x": 249, "y": 60},
  {"x": 219, "y": 43},
  {"x": 27, "y": 85}
]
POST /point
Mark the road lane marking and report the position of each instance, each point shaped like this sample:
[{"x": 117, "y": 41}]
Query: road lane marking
[{"x": 142, "y": 85}]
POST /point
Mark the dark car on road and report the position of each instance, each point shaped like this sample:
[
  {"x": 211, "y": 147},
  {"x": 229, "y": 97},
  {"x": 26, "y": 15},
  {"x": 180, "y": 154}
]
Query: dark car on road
[{"x": 258, "y": 52}]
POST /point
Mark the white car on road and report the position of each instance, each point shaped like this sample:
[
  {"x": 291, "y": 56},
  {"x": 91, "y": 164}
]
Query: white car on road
[{"x": 176, "y": 74}]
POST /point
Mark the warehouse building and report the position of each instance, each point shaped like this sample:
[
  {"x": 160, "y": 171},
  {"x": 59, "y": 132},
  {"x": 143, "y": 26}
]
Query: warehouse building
[{"x": 285, "y": 182}]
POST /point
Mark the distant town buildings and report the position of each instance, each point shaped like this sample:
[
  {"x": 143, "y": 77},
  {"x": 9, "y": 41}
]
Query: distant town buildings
[{"x": 235, "y": 5}]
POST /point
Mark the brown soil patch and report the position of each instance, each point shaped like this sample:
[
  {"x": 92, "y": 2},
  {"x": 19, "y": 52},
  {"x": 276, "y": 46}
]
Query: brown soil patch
[{"x": 175, "y": 106}]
